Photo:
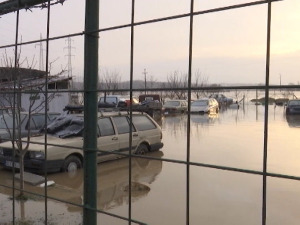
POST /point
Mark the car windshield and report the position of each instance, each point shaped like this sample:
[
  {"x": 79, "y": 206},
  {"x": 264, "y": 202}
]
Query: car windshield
[
  {"x": 200, "y": 103},
  {"x": 38, "y": 120},
  {"x": 66, "y": 126},
  {"x": 6, "y": 121},
  {"x": 172, "y": 103},
  {"x": 295, "y": 102}
]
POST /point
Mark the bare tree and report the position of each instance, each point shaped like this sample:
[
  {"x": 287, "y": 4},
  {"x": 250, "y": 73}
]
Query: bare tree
[
  {"x": 199, "y": 81},
  {"x": 109, "y": 81},
  {"x": 151, "y": 81},
  {"x": 20, "y": 81},
  {"x": 176, "y": 84}
]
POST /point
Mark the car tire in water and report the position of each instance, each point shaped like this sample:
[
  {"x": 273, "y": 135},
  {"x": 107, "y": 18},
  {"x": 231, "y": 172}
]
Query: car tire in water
[
  {"x": 142, "y": 149},
  {"x": 72, "y": 163}
]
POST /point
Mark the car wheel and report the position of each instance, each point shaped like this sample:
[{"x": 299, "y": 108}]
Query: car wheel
[
  {"x": 142, "y": 149},
  {"x": 72, "y": 164}
]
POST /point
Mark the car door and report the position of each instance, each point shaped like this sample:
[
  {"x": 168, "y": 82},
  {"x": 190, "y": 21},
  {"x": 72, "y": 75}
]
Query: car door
[
  {"x": 107, "y": 141},
  {"x": 122, "y": 126}
]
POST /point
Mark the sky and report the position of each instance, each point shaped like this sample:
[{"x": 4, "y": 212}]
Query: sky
[{"x": 229, "y": 47}]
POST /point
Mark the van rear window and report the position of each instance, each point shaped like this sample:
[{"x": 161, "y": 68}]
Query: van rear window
[{"x": 143, "y": 122}]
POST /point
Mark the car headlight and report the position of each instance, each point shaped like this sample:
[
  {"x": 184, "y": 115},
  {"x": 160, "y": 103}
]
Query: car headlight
[
  {"x": 37, "y": 155},
  {"x": 1, "y": 151}
]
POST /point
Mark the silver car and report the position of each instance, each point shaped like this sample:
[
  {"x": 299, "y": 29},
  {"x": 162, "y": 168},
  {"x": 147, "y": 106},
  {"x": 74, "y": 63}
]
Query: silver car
[
  {"x": 175, "y": 106},
  {"x": 205, "y": 105}
]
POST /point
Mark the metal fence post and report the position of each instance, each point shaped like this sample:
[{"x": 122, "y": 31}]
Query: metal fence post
[{"x": 90, "y": 111}]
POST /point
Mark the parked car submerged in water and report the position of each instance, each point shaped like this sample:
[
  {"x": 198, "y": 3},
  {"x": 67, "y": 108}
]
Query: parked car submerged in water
[
  {"x": 293, "y": 106},
  {"x": 64, "y": 142},
  {"x": 175, "y": 106},
  {"x": 222, "y": 99},
  {"x": 205, "y": 105},
  {"x": 118, "y": 100}
]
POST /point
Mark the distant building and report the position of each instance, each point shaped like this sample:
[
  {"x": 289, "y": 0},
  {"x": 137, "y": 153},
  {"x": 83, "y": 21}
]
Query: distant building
[{"x": 32, "y": 85}]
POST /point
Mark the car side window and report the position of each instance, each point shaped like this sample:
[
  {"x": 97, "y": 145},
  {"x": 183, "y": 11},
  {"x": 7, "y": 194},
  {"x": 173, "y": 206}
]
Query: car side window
[
  {"x": 6, "y": 121},
  {"x": 143, "y": 123},
  {"x": 105, "y": 127},
  {"x": 122, "y": 124}
]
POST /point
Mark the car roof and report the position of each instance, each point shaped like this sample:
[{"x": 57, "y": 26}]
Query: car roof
[
  {"x": 118, "y": 113},
  {"x": 293, "y": 101},
  {"x": 109, "y": 113},
  {"x": 176, "y": 100},
  {"x": 117, "y": 96}
]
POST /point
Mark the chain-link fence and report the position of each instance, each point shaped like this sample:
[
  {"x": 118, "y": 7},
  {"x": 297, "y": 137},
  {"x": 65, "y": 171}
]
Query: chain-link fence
[{"x": 59, "y": 58}]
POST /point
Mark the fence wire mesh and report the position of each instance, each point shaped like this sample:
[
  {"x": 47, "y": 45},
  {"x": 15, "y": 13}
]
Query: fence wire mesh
[{"x": 60, "y": 57}]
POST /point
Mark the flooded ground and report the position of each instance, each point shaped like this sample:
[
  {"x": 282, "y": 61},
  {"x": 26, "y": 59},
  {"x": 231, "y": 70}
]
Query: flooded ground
[{"x": 232, "y": 138}]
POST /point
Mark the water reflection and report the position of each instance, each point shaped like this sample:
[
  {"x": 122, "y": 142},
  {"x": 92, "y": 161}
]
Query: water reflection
[
  {"x": 112, "y": 182},
  {"x": 204, "y": 119},
  {"x": 174, "y": 125}
]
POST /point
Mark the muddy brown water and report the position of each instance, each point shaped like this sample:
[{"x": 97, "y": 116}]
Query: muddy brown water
[{"x": 232, "y": 138}]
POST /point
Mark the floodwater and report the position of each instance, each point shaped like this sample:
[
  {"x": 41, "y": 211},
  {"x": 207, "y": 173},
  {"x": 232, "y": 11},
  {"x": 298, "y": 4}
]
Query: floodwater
[{"x": 232, "y": 138}]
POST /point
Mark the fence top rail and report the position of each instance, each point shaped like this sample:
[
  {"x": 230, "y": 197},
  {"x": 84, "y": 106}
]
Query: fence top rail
[{"x": 13, "y": 5}]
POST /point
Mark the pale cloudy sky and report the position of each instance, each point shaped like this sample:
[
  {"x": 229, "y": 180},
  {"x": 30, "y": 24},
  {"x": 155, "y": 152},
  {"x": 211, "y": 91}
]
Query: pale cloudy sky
[{"x": 228, "y": 46}]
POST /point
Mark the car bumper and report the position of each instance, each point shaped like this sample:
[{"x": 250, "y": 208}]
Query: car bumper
[
  {"x": 156, "y": 147},
  {"x": 32, "y": 165}
]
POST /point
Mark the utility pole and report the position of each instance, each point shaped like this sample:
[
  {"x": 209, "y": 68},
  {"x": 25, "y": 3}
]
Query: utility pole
[
  {"x": 41, "y": 56},
  {"x": 280, "y": 81},
  {"x": 145, "y": 78}
]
